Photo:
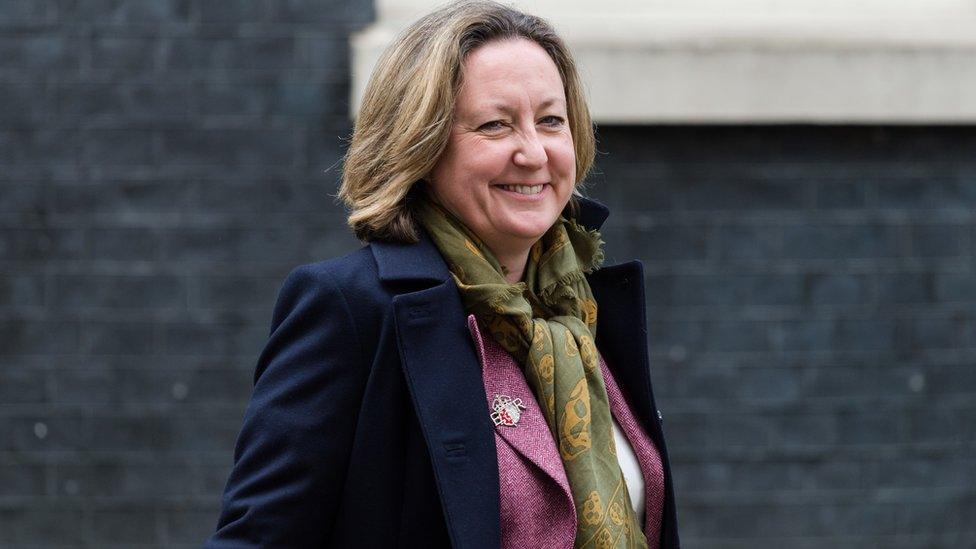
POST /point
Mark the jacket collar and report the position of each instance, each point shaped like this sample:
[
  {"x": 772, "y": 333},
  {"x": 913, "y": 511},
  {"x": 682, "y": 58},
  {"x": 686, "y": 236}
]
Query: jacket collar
[{"x": 422, "y": 261}]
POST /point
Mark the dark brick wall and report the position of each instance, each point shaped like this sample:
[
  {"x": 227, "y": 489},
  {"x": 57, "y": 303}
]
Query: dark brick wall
[
  {"x": 163, "y": 164},
  {"x": 812, "y": 306}
]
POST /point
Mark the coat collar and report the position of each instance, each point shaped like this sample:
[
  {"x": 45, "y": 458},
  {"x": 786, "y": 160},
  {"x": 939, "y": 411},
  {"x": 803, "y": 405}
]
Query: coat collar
[{"x": 422, "y": 261}]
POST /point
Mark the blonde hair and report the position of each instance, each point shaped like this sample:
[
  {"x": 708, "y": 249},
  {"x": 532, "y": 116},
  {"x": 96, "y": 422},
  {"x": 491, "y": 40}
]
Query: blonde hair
[{"x": 407, "y": 110}]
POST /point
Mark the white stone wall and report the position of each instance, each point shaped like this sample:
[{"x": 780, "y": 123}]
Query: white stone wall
[{"x": 700, "y": 61}]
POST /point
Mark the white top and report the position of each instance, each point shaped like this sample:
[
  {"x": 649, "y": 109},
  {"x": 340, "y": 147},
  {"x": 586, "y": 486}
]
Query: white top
[{"x": 631, "y": 470}]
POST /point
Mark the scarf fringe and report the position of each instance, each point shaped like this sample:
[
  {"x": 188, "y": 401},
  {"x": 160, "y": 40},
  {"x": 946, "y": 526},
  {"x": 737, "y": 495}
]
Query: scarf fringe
[
  {"x": 569, "y": 278},
  {"x": 588, "y": 265}
]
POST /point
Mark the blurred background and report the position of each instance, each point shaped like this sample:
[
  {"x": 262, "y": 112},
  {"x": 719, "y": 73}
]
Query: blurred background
[{"x": 798, "y": 177}]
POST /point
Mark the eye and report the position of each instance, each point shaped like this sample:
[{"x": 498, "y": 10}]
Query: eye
[
  {"x": 552, "y": 120},
  {"x": 494, "y": 125}
]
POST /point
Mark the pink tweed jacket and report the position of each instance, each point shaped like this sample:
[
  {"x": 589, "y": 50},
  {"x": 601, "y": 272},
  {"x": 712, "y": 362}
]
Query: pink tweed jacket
[{"x": 536, "y": 503}]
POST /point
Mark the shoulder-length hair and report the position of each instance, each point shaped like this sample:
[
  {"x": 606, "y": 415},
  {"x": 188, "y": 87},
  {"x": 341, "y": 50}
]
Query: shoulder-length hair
[{"x": 407, "y": 110}]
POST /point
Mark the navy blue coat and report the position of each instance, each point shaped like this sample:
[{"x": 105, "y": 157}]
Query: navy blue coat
[{"x": 368, "y": 425}]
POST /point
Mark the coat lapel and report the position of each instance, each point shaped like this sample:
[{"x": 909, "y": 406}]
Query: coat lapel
[
  {"x": 621, "y": 336},
  {"x": 531, "y": 436},
  {"x": 444, "y": 378}
]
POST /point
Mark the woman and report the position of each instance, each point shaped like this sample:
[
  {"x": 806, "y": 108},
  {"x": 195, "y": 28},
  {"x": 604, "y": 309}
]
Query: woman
[{"x": 443, "y": 385}]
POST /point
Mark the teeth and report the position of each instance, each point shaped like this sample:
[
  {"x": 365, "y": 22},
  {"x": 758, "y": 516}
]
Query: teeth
[{"x": 524, "y": 189}]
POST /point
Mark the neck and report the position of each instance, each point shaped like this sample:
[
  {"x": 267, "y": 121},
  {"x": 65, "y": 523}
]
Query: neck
[{"x": 515, "y": 262}]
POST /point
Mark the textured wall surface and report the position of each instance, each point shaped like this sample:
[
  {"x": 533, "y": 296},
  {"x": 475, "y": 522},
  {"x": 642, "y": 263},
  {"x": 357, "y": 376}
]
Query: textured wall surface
[
  {"x": 812, "y": 305},
  {"x": 164, "y": 163}
]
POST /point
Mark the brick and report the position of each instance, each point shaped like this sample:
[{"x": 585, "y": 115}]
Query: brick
[
  {"x": 93, "y": 384},
  {"x": 229, "y": 147},
  {"x": 927, "y": 473},
  {"x": 666, "y": 334},
  {"x": 733, "y": 243},
  {"x": 237, "y": 292},
  {"x": 766, "y": 384},
  {"x": 325, "y": 52},
  {"x": 262, "y": 197},
  {"x": 208, "y": 433},
  {"x": 951, "y": 331},
  {"x": 723, "y": 193},
  {"x": 79, "y": 292},
  {"x": 955, "y": 287},
  {"x": 118, "y": 478},
  {"x": 309, "y": 100},
  {"x": 131, "y": 55},
  {"x": 41, "y": 146},
  {"x": 834, "y": 241},
  {"x": 938, "y": 424},
  {"x": 57, "y": 433},
  {"x": 232, "y": 11},
  {"x": 283, "y": 244},
  {"x": 736, "y": 335},
  {"x": 25, "y": 104},
  {"x": 128, "y": 200},
  {"x": 22, "y": 387},
  {"x": 125, "y": 12},
  {"x": 867, "y": 427},
  {"x": 916, "y": 287},
  {"x": 120, "y": 147},
  {"x": 684, "y": 380},
  {"x": 132, "y": 432},
  {"x": 22, "y": 478},
  {"x": 119, "y": 338},
  {"x": 213, "y": 339},
  {"x": 640, "y": 238},
  {"x": 38, "y": 337},
  {"x": 204, "y": 387},
  {"x": 188, "y": 525},
  {"x": 629, "y": 189},
  {"x": 109, "y": 102},
  {"x": 940, "y": 240},
  {"x": 25, "y": 12},
  {"x": 21, "y": 291},
  {"x": 864, "y": 334},
  {"x": 218, "y": 54},
  {"x": 841, "y": 195},
  {"x": 826, "y": 288},
  {"x": 331, "y": 12},
  {"x": 40, "y": 244},
  {"x": 23, "y": 197},
  {"x": 930, "y": 192},
  {"x": 131, "y": 524},
  {"x": 39, "y": 53},
  {"x": 124, "y": 244},
  {"x": 733, "y": 291},
  {"x": 47, "y": 526},
  {"x": 239, "y": 97},
  {"x": 806, "y": 335}
]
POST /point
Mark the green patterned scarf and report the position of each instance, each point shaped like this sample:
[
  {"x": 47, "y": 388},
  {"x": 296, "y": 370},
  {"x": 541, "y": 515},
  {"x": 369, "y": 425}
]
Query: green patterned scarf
[{"x": 548, "y": 323}]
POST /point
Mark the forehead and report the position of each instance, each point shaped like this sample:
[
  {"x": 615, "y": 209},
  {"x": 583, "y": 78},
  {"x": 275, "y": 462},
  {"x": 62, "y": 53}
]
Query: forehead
[{"x": 506, "y": 72}]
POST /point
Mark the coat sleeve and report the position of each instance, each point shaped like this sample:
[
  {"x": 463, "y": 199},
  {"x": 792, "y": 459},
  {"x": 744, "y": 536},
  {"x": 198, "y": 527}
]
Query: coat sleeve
[{"x": 294, "y": 445}]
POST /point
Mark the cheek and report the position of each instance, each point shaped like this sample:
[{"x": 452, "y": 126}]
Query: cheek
[{"x": 563, "y": 159}]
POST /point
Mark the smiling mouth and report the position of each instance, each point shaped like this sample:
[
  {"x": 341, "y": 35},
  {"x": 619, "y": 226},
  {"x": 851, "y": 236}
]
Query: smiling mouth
[{"x": 524, "y": 189}]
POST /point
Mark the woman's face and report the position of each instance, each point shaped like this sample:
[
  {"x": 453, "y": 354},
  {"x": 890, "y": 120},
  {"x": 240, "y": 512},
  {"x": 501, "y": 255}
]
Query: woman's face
[{"x": 509, "y": 167}]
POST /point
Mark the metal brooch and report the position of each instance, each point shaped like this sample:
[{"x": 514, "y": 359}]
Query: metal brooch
[{"x": 506, "y": 410}]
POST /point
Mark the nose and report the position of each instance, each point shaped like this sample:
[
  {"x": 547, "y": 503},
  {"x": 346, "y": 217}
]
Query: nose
[{"x": 531, "y": 153}]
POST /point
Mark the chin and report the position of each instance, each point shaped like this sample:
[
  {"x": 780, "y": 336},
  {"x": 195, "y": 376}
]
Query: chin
[{"x": 529, "y": 231}]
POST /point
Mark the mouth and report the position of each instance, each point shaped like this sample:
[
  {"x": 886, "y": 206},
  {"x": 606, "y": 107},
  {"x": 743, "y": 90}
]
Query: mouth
[{"x": 527, "y": 190}]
